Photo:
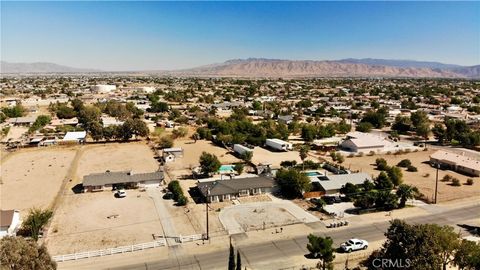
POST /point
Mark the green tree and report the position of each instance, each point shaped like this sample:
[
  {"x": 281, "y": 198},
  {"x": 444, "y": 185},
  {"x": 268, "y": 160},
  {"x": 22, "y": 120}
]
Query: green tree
[
  {"x": 366, "y": 200},
  {"x": 395, "y": 175},
  {"x": 386, "y": 200},
  {"x": 350, "y": 190},
  {"x": 381, "y": 164},
  {"x": 165, "y": 142},
  {"x": 309, "y": 132},
  {"x": 35, "y": 221},
  {"x": 423, "y": 246},
  {"x": 467, "y": 255},
  {"x": 209, "y": 163},
  {"x": 405, "y": 192},
  {"x": 239, "y": 168},
  {"x": 321, "y": 248},
  {"x": 17, "y": 253},
  {"x": 247, "y": 156},
  {"x": 292, "y": 182},
  {"x": 383, "y": 182},
  {"x": 364, "y": 127},
  {"x": 304, "y": 153}
]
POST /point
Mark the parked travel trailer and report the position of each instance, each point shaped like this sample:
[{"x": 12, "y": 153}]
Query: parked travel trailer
[
  {"x": 279, "y": 145},
  {"x": 240, "y": 149}
]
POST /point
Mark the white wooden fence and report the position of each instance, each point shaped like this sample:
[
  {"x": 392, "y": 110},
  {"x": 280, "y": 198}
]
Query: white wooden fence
[
  {"x": 109, "y": 251},
  {"x": 190, "y": 238}
]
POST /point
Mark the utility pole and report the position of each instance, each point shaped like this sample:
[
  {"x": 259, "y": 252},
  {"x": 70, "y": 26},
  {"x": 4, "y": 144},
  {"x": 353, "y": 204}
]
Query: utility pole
[
  {"x": 436, "y": 182},
  {"x": 206, "y": 204}
]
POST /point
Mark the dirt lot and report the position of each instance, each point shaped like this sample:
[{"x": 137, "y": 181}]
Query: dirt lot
[
  {"x": 116, "y": 157},
  {"x": 424, "y": 179},
  {"x": 192, "y": 152},
  {"x": 262, "y": 155},
  {"x": 82, "y": 222},
  {"x": 33, "y": 177}
]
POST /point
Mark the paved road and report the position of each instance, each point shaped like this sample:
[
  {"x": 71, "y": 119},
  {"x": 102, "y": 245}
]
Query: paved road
[{"x": 280, "y": 254}]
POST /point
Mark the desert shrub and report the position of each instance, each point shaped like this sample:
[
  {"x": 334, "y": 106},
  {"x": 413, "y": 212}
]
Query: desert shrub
[
  {"x": 165, "y": 142},
  {"x": 456, "y": 182},
  {"x": 425, "y": 149},
  {"x": 404, "y": 163},
  {"x": 415, "y": 150},
  {"x": 381, "y": 164},
  {"x": 446, "y": 178},
  {"x": 412, "y": 168},
  {"x": 469, "y": 181},
  {"x": 351, "y": 155},
  {"x": 360, "y": 154},
  {"x": 408, "y": 150},
  {"x": 371, "y": 153},
  {"x": 426, "y": 175},
  {"x": 389, "y": 152}
]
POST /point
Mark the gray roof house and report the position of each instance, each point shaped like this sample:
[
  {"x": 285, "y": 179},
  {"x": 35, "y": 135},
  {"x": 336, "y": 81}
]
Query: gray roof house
[
  {"x": 99, "y": 181},
  {"x": 222, "y": 190}
]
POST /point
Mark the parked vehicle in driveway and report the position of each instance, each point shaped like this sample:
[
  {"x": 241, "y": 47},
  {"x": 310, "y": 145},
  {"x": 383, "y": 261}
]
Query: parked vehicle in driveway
[
  {"x": 354, "y": 245},
  {"x": 121, "y": 193}
]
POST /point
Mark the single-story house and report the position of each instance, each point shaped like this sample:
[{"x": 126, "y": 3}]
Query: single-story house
[
  {"x": 101, "y": 181},
  {"x": 225, "y": 190},
  {"x": 75, "y": 136},
  {"x": 285, "y": 119},
  {"x": 22, "y": 121},
  {"x": 456, "y": 162},
  {"x": 363, "y": 142},
  {"x": 331, "y": 184},
  {"x": 170, "y": 154},
  {"x": 9, "y": 222}
]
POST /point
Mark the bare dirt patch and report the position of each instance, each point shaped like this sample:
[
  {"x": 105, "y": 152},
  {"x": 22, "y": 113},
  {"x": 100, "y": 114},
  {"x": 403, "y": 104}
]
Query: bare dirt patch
[
  {"x": 92, "y": 221},
  {"x": 192, "y": 152},
  {"x": 137, "y": 157},
  {"x": 33, "y": 177},
  {"x": 424, "y": 178}
]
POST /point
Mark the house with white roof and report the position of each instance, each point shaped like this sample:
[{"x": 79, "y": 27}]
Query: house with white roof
[
  {"x": 75, "y": 136},
  {"x": 363, "y": 142},
  {"x": 456, "y": 162}
]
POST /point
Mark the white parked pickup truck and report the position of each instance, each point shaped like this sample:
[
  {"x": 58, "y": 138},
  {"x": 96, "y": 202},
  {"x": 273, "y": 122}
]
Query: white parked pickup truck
[{"x": 353, "y": 245}]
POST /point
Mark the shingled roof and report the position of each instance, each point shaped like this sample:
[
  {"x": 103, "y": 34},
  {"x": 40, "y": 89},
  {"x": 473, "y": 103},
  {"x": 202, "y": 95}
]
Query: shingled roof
[
  {"x": 221, "y": 187},
  {"x": 108, "y": 178}
]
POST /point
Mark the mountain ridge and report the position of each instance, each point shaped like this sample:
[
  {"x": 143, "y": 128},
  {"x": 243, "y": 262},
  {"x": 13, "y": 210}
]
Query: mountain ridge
[{"x": 264, "y": 67}]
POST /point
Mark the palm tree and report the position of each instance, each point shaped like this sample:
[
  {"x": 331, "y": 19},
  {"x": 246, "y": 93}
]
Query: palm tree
[
  {"x": 304, "y": 154},
  {"x": 35, "y": 222},
  {"x": 406, "y": 192}
]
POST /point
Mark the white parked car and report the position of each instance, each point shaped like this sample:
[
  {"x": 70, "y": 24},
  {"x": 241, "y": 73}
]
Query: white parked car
[
  {"x": 121, "y": 193},
  {"x": 353, "y": 245}
]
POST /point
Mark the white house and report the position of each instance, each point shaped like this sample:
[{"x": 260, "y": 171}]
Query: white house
[
  {"x": 75, "y": 136},
  {"x": 363, "y": 142},
  {"x": 9, "y": 222}
]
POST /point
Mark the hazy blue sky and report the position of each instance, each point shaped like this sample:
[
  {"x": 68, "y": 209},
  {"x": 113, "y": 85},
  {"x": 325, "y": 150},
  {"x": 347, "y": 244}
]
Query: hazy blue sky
[{"x": 171, "y": 35}]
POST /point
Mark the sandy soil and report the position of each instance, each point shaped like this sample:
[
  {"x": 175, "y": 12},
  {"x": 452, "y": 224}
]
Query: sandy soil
[
  {"x": 82, "y": 224},
  {"x": 33, "y": 177},
  {"x": 424, "y": 179},
  {"x": 192, "y": 152},
  {"x": 262, "y": 155},
  {"x": 116, "y": 157},
  {"x": 257, "y": 218}
]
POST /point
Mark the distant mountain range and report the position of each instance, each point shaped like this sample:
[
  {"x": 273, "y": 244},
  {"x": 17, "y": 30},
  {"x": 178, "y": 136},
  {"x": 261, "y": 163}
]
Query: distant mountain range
[
  {"x": 40, "y": 67},
  {"x": 260, "y": 67}
]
